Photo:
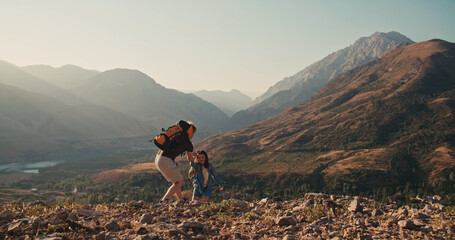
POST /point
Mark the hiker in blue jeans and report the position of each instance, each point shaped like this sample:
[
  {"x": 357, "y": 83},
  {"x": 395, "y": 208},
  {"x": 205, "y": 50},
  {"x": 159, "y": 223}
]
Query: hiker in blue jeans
[{"x": 205, "y": 174}]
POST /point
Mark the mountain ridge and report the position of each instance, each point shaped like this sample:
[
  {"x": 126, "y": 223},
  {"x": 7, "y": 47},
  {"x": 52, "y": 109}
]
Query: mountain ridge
[
  {"x": 229, "y": 102},
  {"x": 12, "y": 75},
  {"x": 387, "y": 117},
  {"x": 134, "y": 93},
  {"x": 67, "y": 76},
  {"x": 301, "y": 86},
  {"x": 30, "y": 121}
]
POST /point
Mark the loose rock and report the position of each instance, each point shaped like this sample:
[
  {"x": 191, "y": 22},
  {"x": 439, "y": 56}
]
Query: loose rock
[
  {"x": 146, "y": 218},
  {"x": 407, "y": 224},
  {"x": 286, "y": 221},
  {"x": 112, "y": 226},
  {"x": 88, "y": 213},
  {"x": 355, "y": 206}
]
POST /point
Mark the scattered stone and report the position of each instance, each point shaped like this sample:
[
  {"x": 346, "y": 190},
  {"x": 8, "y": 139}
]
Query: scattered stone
[
  {"x": 17, "y": 224},
  {"x": 256, "y": 237},
  {"x": 100, "y": 236},
  {"x": 312, "y": 228},
  {"x": 286, "y": 221},
  {"x": 309, "y": 217},
  {"x": 87, "y": 207},
  {"x": 195, "y": 226},
  {"x": 88, "y": 213},
  {"x": 438, "y": 206},
  {"x": 419, "y": 223},
  {"x": 63, "y": 215},
  {"x": 60, "y": 217},
  {"x": 239, "y": 203},
  {"x": 112, "y": 226},
  {"x": 263, "y": 201},
  {"x": 237, "y": 235},
  {"x": 307, "y": 203},
  {"x": 49, "y": 238},
  {"x": 391, "y": 221},
  {"x": 298, "y": 209},
  {"x": 142, "y": 231},
  {"x": 143, "y": 237},
  {"x": 372, "y": 222},
  {"x": 6, "y": 216},
  {"x": 146, "y": 218},
  {"x": 148, "y": 237},
  {"x": 276, "y": 206},
  {"x": 376, "y": 212},
  {"x": 36, "y": 222},
  {"x": 125, "y": 225},
  {"x": 289, "y": 237},
  {"x": 135, "y": 204},
  {"x": 176, "y": 232},
  {"x": 421, "y": 216},
  {"x": 111, "y": 236},
  {"x": 73, "y": 217},
  {"x": 406, "y": 224},
  {"x": 403, "y": 211},
  {"x": 355, "y": 206}
]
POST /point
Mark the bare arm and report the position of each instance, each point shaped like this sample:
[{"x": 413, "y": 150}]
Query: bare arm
[{"x": 190, "y": 156}]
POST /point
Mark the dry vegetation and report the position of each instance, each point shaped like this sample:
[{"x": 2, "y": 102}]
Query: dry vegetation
[
  {"x": 309, "y": 217},
  {"x": 118, "y": 175}
]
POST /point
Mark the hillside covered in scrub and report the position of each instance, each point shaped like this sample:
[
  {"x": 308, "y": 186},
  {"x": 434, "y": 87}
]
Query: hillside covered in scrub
[{"x": 387, "y": 123}]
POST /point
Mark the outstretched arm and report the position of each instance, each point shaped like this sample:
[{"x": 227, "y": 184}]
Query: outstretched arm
[
  {"x": 190, "y": 156},
  {"x": 217, "y": 179}
]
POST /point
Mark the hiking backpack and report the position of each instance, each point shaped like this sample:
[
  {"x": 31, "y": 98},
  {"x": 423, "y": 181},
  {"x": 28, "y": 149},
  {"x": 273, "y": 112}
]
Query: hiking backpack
[{"x": 164, "y": 140}]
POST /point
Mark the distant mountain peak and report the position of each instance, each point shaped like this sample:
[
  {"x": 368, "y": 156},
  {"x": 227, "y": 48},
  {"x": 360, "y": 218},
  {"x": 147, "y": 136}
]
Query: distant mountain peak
[
  {"x": 125, "y": 74},
  {"x": 235, "y": 91},
  {"x": 66, "y": 77},
  {"x": 377, "y": 38},
  {"x": 372, "y": 47},
  {"x": 393, "y": 35},
  {"x": 72, "y": 67},
  {"x": 229, "y": 102},
  {"x": 301, "y": 86}
]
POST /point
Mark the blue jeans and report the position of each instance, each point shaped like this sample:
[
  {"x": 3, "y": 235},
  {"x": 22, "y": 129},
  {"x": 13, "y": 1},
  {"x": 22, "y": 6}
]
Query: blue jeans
[{"x": 206, "y": 192}]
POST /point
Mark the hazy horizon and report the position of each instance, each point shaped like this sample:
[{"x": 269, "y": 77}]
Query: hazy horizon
[{"x": 209, "y": 45}]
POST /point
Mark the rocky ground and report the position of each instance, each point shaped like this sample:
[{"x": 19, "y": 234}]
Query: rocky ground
[{"x": 315, "y": 216}]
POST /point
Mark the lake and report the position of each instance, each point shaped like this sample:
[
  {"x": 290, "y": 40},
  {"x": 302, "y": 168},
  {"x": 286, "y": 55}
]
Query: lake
[{"x": 28, "y": 167}]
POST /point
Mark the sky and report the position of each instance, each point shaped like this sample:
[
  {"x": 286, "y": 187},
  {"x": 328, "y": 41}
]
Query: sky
[{"x": 247, "y": 45}]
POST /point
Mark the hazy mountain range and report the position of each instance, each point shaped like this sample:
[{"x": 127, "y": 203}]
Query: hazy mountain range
[
  {"x": 37, "y": 115},
  {"x": 76, "y": 103},
  {"x": 390, "y": 121},
  {"x": 15, "y": 76},
  {"x": 34, "y": 124},
  {"x": 66, "y": 77},
  {"x": 301, "y": 86},
  {"x": 134, "y": 93},
  {"x": 39, "y": 118},
  {"x": 229, "y": 102}
]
